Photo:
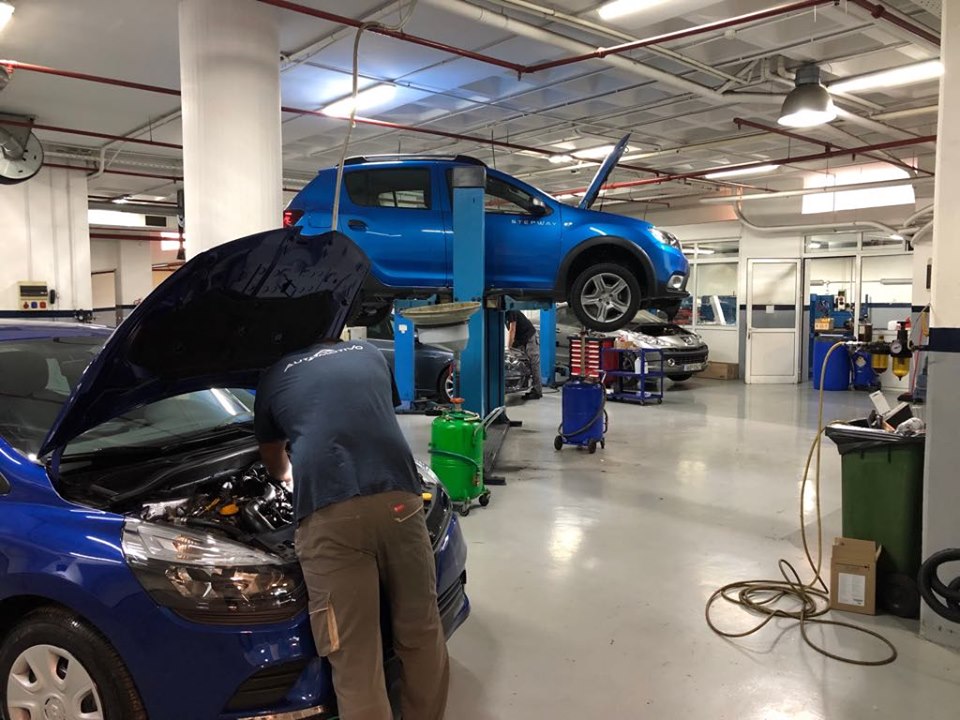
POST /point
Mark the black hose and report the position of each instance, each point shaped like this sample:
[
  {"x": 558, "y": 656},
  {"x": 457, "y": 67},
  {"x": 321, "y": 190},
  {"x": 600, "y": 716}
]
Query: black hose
[
  {"x": 944, "y": 600},
  {"x": 601, "y": 412}
]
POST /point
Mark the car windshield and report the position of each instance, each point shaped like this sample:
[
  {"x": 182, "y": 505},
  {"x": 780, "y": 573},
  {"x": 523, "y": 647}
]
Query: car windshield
[{"x": 37, "y": 376}]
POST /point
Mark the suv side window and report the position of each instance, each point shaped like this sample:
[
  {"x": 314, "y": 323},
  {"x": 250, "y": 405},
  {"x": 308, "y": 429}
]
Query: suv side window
[
  {"x": 506, "y": 199},
  {"x": 406, "y": 188}
]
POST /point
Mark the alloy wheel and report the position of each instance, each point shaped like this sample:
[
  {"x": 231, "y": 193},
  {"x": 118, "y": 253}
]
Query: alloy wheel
[{"x": 605, "y": 297}]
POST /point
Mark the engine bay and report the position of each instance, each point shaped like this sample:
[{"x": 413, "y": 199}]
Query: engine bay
[{"x": 249, "y": 503}]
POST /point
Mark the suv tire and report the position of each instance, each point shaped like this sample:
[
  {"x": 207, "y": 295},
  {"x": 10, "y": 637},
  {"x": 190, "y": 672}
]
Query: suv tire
[
  {"x": 605, "y": 297},
  {"x": 79, "y": 653}
]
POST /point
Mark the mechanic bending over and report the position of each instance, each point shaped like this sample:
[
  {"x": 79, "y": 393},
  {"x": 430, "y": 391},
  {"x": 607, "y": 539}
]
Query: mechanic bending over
[
  {"x": 523, "y": 336},
  {"x": 359, "y": 507}
]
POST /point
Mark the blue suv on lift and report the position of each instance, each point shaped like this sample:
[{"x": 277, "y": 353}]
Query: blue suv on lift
[
  {"x": 146, "y": 558},
  {"x": 399, "y": 211}
]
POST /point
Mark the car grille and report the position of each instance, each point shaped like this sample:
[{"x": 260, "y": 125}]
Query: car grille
[
  {"x": 685, "y": 357},
  {"x": 268, "y": 687},
  {"x": 451, "y": 599}
]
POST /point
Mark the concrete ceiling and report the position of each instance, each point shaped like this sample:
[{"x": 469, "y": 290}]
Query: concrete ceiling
[{"x": 564, "y": 109}]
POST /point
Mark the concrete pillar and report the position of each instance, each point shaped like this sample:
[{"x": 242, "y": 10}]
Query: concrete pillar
[
  {"x": 230, "y": 79},
  {"x": 941, "y": 489}
]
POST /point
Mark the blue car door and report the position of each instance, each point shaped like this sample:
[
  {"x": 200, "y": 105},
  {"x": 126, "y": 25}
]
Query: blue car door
[
  {"x": 393, "y": 213},
  {"x": 523, "y": 236}
]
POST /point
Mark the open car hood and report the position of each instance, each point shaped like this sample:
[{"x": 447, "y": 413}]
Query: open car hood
[
  {"x": 219, "y": 321},
  {"x": 603, "y": 174}
]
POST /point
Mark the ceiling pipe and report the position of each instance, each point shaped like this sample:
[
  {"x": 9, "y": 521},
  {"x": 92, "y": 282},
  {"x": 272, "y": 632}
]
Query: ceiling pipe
[
  {"x": 813, "y": 191},
  {"x": 819, "y": 227},
  {"x": 881, "y": 12},
  {"x": 114, "y": 172},
  {"x": 853, "y": 152},
  {"x": 921, "y": 232},
  {"x": 90, "y": 133},
  {"x": 919, "y": 214},
  {"x": 825, "y": 144},
  {"x": 908, "y": 113},
  {"x": 549, "y": 13}
]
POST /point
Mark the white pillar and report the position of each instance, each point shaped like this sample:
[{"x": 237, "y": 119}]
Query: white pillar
[
  {"x": 941, "y": 489},
  {"x": 230, "y": 79}
]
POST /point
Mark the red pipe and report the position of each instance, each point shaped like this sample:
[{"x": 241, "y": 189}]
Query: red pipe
[
  {"x": 680, "y": 34},
  {"x": 380, "y": 30},
  {"x": 172, "y": 178},
  {"x": 760, "y": 163},
  {"x": 879, "y": 12},
  {"x": 15, "y": 65},
  {"x": 741, "y": 123},
  {"x": 136, "y": 238},
  {"x": 90, "y": 133}
]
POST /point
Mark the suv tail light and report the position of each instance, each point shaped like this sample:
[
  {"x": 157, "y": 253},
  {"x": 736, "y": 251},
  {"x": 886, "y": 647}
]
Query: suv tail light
[{"x": 291, "y": 217}]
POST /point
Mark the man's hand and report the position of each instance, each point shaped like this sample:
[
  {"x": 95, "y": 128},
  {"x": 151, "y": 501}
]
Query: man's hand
[{"x": 274, "y": 456}]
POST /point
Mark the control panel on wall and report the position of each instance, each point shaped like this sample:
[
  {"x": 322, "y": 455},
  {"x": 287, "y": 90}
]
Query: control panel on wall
[{"x": 35, "y": 295}]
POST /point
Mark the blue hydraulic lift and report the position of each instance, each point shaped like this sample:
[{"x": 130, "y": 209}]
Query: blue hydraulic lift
[{"x": 482, "y": 362}]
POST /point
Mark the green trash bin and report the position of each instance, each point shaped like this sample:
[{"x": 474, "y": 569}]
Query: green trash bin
[{"x": 882, "y": 495}]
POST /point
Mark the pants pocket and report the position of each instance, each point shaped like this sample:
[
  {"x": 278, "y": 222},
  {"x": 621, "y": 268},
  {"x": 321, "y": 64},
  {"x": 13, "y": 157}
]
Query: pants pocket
[{"x": 323, "y": 622}]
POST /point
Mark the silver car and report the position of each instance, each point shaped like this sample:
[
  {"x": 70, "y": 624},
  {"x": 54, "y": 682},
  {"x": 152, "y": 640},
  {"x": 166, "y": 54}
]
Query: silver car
[{"x": 684, "y": 352}]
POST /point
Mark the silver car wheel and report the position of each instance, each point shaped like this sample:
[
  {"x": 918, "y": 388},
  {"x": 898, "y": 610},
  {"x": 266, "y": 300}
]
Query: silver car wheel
[
  {"x": 606, "y": 297},
  {"x": 449, "y": 386},
  {"x": 48, "y": 683}
]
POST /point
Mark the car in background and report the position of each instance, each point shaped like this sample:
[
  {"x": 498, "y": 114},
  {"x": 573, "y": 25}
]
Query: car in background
[
  {"x": 684, "y": 352},
  {"x": 147, "y": 566},
  {"x": 434, "y": 365},
  {"x": 399, "y": 210}
]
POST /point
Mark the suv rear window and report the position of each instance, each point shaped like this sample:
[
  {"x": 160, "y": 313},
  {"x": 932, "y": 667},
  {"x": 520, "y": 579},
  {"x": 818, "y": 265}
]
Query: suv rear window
[{"x": 407, "y": 188}]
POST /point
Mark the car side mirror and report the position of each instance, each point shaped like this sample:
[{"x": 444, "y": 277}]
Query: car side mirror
[{"x": 539, "y": 208}]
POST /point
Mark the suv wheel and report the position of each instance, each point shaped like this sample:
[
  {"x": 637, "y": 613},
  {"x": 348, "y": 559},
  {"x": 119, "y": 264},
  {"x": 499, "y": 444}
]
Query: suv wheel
[
  {"x": 52, "y": 665},
  {"x": 605, "y": 297}
]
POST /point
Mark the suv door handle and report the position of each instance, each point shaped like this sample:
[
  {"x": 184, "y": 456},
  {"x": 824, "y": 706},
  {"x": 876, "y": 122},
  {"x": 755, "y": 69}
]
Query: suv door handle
[{"x": 357, "y": 225}]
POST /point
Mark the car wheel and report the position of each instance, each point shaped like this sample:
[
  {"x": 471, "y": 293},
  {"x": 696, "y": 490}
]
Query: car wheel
[
  {"x": 605, "y": 297},
  {"x": 53, "y": 665},
  {"x": 681, "y": 378},
  {"x": 445, "y": 385}
]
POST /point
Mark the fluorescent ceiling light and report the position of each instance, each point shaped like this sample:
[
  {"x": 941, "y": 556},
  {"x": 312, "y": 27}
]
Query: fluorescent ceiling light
[
  {"x": 619, "y": 8},
  {"x": 896, "y": 236},
  {"x": 6, "y": 12},
  {"x": 366, "y": 99},
  {"x": 560, "y": 159},
  {"x": 907, "y": 75},
  {"x": 169, "y": 245},
  {"x": 739, "y": 172},
  {"x": 597, "y": 153},
  {"x": 836, "y": 199},
  {"x": 896, "y": 281}
]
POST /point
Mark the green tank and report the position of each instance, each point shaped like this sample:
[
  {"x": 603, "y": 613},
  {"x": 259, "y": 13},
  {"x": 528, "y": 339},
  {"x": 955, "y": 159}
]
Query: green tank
[{"x": 456, "y": 456}]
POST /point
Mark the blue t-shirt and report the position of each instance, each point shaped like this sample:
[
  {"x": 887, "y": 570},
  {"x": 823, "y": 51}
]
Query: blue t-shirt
[{"x": 334, "y": 403}]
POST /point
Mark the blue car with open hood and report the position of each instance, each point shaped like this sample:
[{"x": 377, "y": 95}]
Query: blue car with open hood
[
  {"x": 146, "y": 557},
  {"x": 399, "y": 210}
]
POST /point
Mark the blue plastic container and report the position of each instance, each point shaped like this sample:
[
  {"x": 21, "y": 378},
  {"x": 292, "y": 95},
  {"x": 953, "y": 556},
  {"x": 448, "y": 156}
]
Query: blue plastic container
[
  {"x": 584, "y": 418},
  {"x": 838, "y": 367}
]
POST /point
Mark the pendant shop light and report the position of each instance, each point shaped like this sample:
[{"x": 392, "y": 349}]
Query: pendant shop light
[{"x": 809, "y": 103}]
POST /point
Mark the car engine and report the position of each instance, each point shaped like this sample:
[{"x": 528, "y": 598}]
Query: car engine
[{"x": 244, "y": 504}]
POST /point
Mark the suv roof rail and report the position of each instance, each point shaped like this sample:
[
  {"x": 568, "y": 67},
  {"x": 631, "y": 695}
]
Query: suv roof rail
[{"x": 361, "y": 159}]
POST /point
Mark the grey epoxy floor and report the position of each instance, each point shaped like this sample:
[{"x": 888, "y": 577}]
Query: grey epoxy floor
[{"x": 588, "y": 574}]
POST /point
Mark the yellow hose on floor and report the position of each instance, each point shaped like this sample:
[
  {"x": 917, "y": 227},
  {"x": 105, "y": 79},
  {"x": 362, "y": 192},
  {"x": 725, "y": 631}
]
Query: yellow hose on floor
[{"x": 762, "y": 597}]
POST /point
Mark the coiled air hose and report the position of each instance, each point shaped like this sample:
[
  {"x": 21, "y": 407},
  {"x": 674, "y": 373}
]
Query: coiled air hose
[
  {"x": 809, "y": 601},
  {"x": 944, "y": 600}
]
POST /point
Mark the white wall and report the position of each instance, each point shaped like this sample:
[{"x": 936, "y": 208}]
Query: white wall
[
  {"x": 46, "y": 238},
  {"x": 133, "y": 266}
]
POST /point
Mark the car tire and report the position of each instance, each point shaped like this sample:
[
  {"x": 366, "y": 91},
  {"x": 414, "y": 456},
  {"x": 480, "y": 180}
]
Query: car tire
[
  {"x": 445, "y": 385},
  {"x": 76, "y": 651},
  {"x": 608, "y": 283},
  {"x": 681, "y": 378}
]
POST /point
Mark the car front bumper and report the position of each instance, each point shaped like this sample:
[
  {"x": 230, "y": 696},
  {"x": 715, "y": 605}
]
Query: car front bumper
[{"x": 184, "y": 669}]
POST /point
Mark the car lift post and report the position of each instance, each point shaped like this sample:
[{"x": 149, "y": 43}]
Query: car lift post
[
  {"x": 548, "y": 345},
  {"x": 482, "y": 362},
  {"x": 404, "y": 356}
]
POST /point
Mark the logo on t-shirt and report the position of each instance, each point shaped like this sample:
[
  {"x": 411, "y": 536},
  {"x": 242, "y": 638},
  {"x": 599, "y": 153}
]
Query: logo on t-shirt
[{"x": 325, "y": 352}]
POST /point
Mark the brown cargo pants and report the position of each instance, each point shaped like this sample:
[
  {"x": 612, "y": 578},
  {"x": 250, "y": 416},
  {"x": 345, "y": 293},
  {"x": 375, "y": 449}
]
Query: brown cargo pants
[{"x": 350, "y": 550}]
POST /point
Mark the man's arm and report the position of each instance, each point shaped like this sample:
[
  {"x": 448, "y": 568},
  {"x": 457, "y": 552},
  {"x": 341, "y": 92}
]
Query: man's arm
[
  {"x": 511, "y": 333},
  {"x": 274, "y": 455}
]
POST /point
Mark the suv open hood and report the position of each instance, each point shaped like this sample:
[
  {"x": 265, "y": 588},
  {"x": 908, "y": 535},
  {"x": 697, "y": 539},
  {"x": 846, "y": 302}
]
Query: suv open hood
[
  {"x": 219, "y": 321},
  {"x": 603, "y": 174}
]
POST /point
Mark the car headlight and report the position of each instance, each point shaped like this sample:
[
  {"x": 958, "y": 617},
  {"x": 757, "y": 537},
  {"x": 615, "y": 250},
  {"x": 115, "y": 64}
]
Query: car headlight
[
  {"x": 666, "y": 238},
  {"x": 209, "y": 579},
  {"x": 427, "y": 475}
]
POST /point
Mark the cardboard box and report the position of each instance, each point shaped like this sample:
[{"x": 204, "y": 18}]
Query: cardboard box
[
  {"x": 721, "y": 371},
  {"x": 853, "y": 576}
]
